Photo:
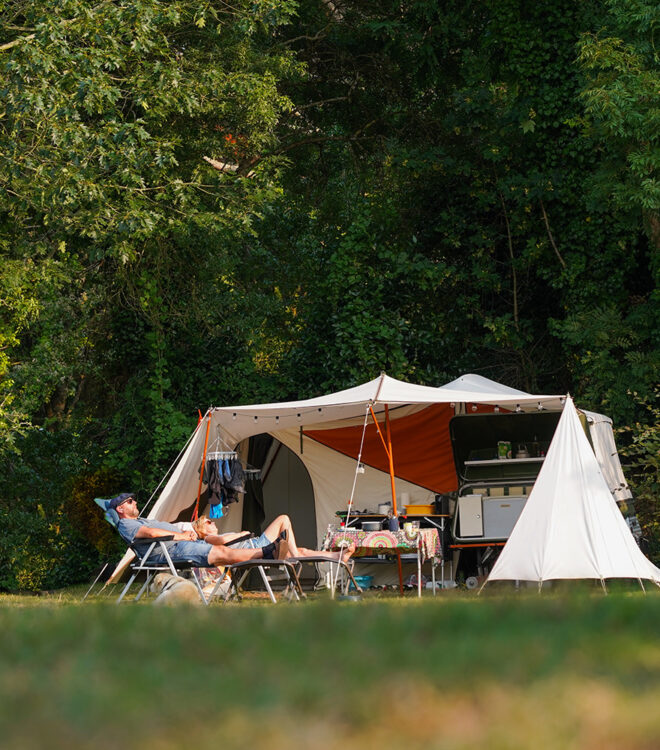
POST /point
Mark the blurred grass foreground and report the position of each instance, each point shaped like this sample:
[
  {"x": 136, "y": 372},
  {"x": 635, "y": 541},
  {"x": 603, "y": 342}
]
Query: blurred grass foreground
[{"x": 451, "y": 672}]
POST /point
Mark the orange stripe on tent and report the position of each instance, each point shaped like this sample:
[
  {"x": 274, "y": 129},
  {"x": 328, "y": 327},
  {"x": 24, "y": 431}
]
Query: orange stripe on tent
[{"x": 421, "y": 447}]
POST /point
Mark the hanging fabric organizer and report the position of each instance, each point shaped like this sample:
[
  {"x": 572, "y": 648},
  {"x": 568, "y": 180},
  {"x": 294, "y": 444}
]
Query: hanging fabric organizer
[{"x": 225, "y": 478}]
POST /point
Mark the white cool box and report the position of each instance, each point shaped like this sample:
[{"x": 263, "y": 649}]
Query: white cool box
[{"x": 488, "y": 517}]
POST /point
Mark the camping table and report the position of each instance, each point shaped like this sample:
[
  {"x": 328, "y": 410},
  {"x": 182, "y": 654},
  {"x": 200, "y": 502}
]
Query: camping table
[{"x": 424, "y": 542}]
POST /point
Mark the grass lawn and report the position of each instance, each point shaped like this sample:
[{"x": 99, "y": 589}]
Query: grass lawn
[{"x": 502, "y": 671}]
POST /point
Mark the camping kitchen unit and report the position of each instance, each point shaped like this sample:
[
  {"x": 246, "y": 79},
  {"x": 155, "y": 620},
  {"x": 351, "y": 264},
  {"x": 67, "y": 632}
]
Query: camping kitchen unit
[{"x": 498, "y": 457}]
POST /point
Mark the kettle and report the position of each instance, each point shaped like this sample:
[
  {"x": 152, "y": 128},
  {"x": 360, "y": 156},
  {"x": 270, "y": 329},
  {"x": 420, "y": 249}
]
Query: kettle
[{"x": 522, "y": 451}]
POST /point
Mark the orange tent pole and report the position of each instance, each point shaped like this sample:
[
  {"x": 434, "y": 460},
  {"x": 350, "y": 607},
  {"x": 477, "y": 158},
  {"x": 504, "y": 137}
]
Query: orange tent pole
[
  {"x": 201, "y": 471},
  {"x": 388, "y": 450},
  {"x": 390, "y": 456},
  {"x": 380, "y": 434}
]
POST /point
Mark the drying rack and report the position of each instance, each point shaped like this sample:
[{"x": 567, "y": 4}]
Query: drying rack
[{"x": 249, "y": 471}]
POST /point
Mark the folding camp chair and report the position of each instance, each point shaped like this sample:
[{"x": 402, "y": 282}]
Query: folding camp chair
[
  {"x": 145, "y": 551},
  {"x": 238, "y": 573}
]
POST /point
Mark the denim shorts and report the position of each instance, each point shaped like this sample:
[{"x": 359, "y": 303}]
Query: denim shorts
[
  {"x": 196, "y": 552},
  {"x": 256, "y": 543}
]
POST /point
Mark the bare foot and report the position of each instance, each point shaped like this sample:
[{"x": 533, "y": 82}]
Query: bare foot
[{"x": 346, "y": 553}]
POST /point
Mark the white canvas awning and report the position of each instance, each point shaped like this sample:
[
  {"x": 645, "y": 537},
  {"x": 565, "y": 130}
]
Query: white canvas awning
[{"x": 330, "y": 472}]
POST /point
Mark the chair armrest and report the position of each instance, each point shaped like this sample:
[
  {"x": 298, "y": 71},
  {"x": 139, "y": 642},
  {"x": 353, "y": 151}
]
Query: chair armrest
[
  {"x": 239, "y": 539},
  {"x": 139, "y": 546}
]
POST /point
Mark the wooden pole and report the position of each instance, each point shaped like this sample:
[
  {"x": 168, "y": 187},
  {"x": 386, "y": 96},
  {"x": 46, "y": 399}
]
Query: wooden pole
[{"x": 201, "y": 470}]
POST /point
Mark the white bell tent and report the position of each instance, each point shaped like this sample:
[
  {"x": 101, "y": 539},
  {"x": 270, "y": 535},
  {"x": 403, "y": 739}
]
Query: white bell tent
[{"x": 571, "y": 526}]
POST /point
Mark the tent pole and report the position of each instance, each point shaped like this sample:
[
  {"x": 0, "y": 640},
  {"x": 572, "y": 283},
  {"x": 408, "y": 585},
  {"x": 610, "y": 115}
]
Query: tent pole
[
  {"x": 391, "y": 458},
  {"x": 201, "y": 471},
  {"x": 394, "y": 508},
  {"x": 388, "y": 450}
]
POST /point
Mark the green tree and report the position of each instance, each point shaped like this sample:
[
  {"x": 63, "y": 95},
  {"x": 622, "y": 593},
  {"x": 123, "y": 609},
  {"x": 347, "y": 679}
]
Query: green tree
[
  {"x": 621, "y": 104},
  {"x": 109, "y": 111}
]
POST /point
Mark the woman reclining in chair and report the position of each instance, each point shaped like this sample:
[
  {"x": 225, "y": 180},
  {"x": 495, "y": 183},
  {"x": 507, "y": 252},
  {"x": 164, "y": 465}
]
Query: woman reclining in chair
[{"x": 278, "y": 532}]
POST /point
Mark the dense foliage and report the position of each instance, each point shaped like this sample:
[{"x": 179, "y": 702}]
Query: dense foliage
[{"x": 231, "y": 203}]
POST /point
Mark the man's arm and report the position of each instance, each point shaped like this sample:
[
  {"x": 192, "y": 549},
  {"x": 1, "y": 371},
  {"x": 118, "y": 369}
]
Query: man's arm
[{"x": 147, "y": 532}]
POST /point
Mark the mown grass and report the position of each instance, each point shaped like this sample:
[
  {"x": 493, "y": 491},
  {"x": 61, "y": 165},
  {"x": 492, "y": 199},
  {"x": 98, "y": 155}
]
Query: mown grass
[{"x": 555, "y": 671}]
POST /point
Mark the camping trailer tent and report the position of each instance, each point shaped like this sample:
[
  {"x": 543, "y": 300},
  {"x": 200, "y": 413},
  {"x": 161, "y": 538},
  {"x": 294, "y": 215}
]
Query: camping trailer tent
[{"x": 328, "y": 433}]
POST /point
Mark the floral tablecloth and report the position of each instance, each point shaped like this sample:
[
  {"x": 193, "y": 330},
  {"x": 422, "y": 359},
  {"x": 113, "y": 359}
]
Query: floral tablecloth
[{"x": 402, "y": 541}]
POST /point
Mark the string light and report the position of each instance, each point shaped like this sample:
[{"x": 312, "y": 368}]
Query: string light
[
  {"x": 518, "y": 409},
  {"x": 474, "y": 407},
  {"x": 497, "y": 408}
]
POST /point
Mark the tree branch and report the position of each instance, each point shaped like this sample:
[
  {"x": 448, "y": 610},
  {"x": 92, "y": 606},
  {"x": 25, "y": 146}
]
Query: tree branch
[
  {"x": 245, "y": 168},
  {"x": 514, "y": 276},
  {"x": 552, "y": 241},
  {"x": 16, "y": 42}
]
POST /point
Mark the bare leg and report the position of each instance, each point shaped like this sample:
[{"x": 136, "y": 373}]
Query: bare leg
[
  {"x": 276, "y": 527},
  {"x": 283, "y": 523},
  {"x": 221, "y": 555},
  {"x": 343, "y": 554}
]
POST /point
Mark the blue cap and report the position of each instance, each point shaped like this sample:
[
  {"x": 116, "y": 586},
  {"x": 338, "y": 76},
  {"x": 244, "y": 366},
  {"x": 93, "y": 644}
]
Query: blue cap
[{"x": 115, "y": 502}]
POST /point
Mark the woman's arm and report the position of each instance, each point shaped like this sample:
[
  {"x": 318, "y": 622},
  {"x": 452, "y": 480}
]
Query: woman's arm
[{"x": 223, "y": 538}]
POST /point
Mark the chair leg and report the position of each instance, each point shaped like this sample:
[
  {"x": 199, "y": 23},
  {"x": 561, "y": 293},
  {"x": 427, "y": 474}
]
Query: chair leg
[
  {"x": 218, "y": 584},
  {"x": 127, "y": 587},
  {"x": 294, "y": 582},
  {"x": 237, "y": 582},
  {"x": 150, "y": 575},
  {"x": 267, "y": 585},
  {"x": 349, "y": 573},
  {"x": 199, "y": 587}
]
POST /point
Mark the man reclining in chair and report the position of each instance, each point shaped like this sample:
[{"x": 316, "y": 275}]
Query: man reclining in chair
[
  {"x": 185, "y": 545},
  {"x": 278, "y": 531}
]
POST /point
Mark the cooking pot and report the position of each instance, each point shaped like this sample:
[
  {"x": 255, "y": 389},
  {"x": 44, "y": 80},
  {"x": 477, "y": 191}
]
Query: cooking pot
[
  {"x": 372, "y": 526},
  {"x": 384, "y": 508}
]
